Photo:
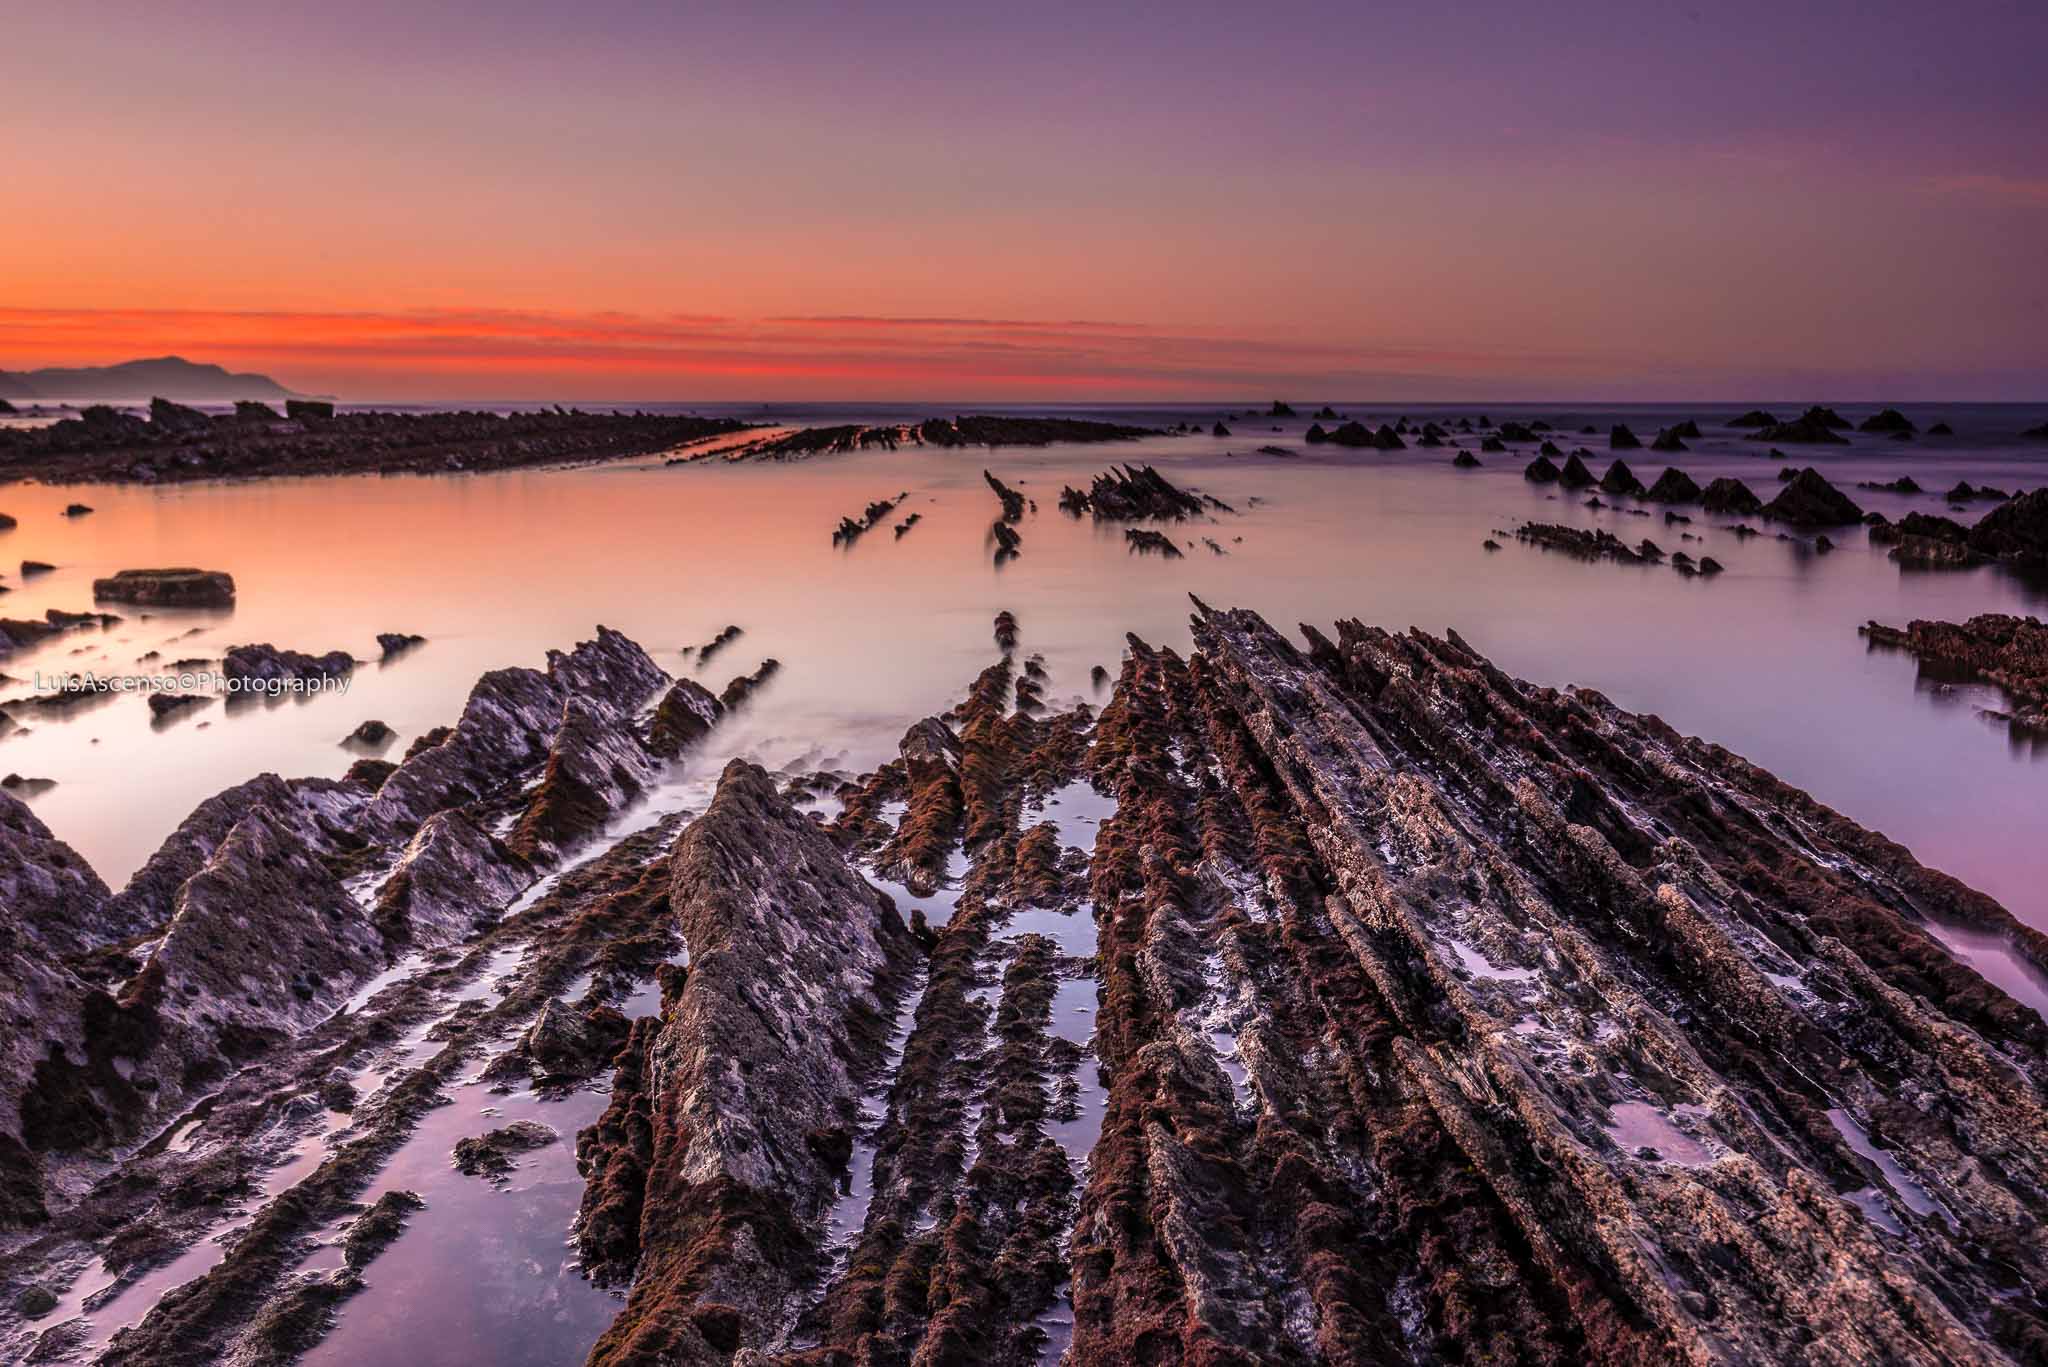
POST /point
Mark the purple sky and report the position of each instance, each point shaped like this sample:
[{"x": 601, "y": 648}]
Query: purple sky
[{"x": 1590, "y": 200}]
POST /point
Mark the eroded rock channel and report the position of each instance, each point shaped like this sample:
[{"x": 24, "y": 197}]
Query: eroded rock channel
[{"x": 1349, "y": 1001}]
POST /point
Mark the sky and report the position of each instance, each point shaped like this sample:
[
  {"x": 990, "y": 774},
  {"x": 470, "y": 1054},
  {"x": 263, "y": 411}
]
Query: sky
[{"x": 902, "y": 200}]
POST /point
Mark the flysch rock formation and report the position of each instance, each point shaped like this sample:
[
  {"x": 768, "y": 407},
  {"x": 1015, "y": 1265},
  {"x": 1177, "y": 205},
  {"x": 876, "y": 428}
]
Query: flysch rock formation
[
  {"x": 205, "y": 998},
  {"x": 1340, "y": 1002}
]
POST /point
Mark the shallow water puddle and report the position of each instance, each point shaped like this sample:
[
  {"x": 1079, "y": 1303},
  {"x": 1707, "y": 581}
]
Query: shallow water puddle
[
  {"x": 484, "y": 1272},
  {"x": 849, "y": 1213},
  {"x": 1993, "y": 957},
  {"x": 1638, "y": 1125},
  {"x": 1077, "y": 810},
  {"x": 1911, "y": 1192},
  {"x": 129, "y": 1305},
  {"x": 1479, "y": 966},
  {"x": 938, "y": 907},
  {"x": 1073, "y": 931}
]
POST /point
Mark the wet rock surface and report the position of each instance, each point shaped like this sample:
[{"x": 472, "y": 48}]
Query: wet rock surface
[
  {"x": 1135, "y": 493},
  {"x": 796, "y": 965},
  {"x": 1339, "y": 1001},
  {"x": 1485, "y": 1114}
]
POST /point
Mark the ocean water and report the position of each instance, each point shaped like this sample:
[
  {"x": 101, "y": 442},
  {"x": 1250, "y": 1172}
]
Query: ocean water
[{"x": 496, "y": 569}]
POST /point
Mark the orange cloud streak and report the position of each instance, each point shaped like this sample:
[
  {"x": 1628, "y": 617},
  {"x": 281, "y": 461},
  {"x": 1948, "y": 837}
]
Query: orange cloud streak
[{"x": 462, "y": 352}]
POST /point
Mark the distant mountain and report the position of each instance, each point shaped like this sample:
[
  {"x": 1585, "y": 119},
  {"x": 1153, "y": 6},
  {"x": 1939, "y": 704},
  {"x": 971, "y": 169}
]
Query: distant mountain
[{"x": 171, "y": 377}]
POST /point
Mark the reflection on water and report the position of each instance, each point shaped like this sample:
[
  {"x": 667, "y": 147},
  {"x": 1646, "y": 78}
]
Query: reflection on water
[{"x": 496, "y": 569}]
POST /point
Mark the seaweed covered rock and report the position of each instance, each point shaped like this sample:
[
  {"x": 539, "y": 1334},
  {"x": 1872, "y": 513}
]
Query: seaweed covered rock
[{"x": 795, "y": 966}]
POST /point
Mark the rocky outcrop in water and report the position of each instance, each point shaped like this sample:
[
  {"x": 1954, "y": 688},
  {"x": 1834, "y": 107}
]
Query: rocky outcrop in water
[
  {"x": 1576, "y": 542},
  {"x": 1730, "y": 495},
  {"x": 263, "y": 667},
  {"x": 1925, "y": 541},
  {"x": 173, "y": 588},
  {"x": 1145, "y": 541},
  {"x": 850, "y": 529},
  {"x": 1816, "y": 426},
  {"x": 1674, "y": 486},
  {"x": 1619, "y": 480},
  {"x": 1012, "y": 501},
  {"x": 1136, "y": 494},
  {"x": 1808, "y": 500},
  {"x": 2016, "y": 531},
  {"x": 184, "y": 444},
  {"x": 992, "y": 430},
  {"x": 1995, "y": 648}
]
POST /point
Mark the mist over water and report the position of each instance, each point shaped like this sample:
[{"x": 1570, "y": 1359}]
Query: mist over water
[{"x": 496, "y": 569}]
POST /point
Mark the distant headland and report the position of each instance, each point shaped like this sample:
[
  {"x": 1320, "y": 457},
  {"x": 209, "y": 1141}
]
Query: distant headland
[{"x": 172, "y": 377}]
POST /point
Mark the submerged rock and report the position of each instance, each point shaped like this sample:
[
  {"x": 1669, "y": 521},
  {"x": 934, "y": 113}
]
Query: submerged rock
[
  {"x": 1576, "y": 542},
  {"x": 2015, "y": 531}
]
